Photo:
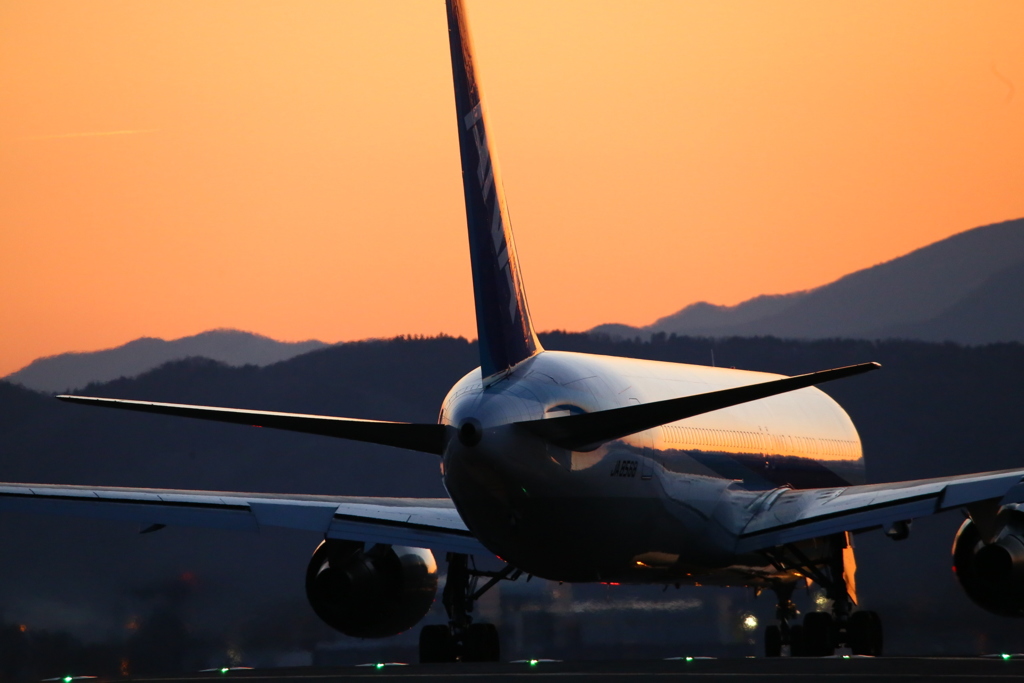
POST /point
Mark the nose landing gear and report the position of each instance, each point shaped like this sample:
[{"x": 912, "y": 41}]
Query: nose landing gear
[
  {"x": 462, "y": 639},
  {"x": 822, "y": 632}
]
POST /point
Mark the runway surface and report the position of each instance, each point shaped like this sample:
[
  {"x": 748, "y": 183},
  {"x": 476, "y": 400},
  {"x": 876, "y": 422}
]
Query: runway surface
[{"x": 877, "y": 670}]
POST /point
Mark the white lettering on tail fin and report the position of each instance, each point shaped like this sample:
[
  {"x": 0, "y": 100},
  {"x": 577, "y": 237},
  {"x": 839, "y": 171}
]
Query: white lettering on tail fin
[{"x": 485, "y": 174}]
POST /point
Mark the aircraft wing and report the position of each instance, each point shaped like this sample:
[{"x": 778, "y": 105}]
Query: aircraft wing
[
  {"x": 786, "y": 515},
  {"x": 419, "y": 522}
]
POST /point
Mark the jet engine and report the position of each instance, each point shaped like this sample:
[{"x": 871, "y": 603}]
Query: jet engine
[
  {"x": 370, "y": 593},
  {"x": 992, "y": 574}
]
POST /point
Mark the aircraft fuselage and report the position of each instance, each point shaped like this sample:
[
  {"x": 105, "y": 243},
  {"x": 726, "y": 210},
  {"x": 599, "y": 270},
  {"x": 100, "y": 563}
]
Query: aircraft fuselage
[{"x": 663, "y": 505}]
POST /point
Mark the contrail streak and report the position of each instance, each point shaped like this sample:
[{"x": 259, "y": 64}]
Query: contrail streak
[{"x": 94, "y": 134}]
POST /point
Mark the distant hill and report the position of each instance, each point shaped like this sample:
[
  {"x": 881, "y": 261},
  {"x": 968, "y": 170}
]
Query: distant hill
[
  {"x": 233, "y": 347},
  {"x": 968, "y": 288}
]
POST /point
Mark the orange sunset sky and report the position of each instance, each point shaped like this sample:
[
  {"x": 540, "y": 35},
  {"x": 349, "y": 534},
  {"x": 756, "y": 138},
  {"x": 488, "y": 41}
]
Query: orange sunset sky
[{"x": 291, "y": 168}]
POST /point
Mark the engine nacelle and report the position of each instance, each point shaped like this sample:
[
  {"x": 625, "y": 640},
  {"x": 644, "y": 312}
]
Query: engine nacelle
[
  {"x": 370, "y": 593},
  {"x": 992, "y": 574}
]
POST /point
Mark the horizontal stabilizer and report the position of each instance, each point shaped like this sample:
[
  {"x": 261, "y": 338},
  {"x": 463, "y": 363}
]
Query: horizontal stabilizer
[
  {"x": 578, "y": 432},
  {"x": 427, "y": 438}
]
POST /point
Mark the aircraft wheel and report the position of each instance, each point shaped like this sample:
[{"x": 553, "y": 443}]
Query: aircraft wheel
[
  {"x": 436, "y": 644},
  {"x": 796, "y": 641},
  {"x": 819, "y": 635},
  {"x": 772, "y": 642},
  {"x": 481, "y": 644},
  {"x": 864, "y": 633}
]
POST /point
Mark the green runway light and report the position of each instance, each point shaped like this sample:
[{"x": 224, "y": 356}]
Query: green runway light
[
  {"x": 689, "y": 659},
  {"x": 380, "y": 665},
  {"x": 534, "y": 662},
  {"x": 224, "y": 670},
  {"x": 846, "y": 656},
  {"x": 68, "y": 679},
  {"x": 1004, "y": 656}
]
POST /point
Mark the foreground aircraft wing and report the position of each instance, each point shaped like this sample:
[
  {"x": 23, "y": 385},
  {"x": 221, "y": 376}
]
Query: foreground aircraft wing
[
  {"x": 427, "y": 438},
  {"x": 419, "y": 522},
  {"x": 786, "y": 516}
]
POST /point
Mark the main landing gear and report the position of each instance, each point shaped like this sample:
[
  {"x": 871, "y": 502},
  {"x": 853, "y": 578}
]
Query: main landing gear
[
  {"x": 822, "y": 632},
  {"x": 462, "y": 639}
]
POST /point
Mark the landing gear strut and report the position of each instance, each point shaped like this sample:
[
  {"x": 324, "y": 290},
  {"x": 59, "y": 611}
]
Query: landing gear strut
[
  {"x": 775, "y": 636},
  {"x": 822, "y": 632},
  {"x": 462, "y": 639}
]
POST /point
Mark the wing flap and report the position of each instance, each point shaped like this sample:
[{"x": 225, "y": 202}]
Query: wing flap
[
  {"x": 420, "y": 527},
  {"x": 811, "y": 513},
  {"x": 294, "y": 515}
]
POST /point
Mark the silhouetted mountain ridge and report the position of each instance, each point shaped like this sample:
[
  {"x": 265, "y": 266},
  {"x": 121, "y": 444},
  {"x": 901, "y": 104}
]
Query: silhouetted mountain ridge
[
  {"x": 76, "y": 369},
  {"x": 967, "y": 288}
]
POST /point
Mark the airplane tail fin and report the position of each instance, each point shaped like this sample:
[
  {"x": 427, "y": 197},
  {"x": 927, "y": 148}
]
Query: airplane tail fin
[{"x": 505, "y": 333}]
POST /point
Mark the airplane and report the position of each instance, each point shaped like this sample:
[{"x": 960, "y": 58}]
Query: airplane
[{"x": 585, "y": 468}]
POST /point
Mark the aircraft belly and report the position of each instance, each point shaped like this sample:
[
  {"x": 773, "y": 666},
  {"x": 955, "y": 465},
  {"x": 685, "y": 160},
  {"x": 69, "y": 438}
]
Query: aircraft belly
[{"x": 594, "y": 524}]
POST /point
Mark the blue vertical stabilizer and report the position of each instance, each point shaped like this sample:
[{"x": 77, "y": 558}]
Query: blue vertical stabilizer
[{"x": 502, "y": 318}]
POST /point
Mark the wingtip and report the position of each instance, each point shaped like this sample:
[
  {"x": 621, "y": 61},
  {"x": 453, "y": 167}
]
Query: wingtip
[{"x": 858, "y": 368}]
